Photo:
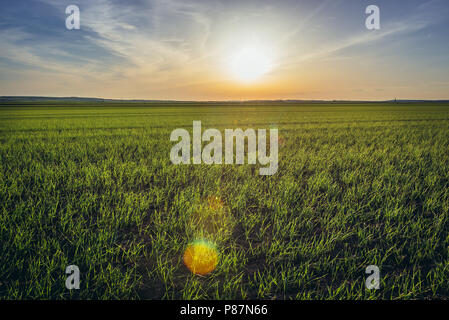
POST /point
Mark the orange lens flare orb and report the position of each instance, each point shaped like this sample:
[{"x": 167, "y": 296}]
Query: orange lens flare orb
[
  {"x": 215, "y": 203},
  {"x": 201, "y": 257}
]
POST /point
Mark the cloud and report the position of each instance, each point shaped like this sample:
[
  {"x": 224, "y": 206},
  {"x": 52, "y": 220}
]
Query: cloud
[
  {"x": 141, "y": 33},
  {"x": 411, "y": 24}
]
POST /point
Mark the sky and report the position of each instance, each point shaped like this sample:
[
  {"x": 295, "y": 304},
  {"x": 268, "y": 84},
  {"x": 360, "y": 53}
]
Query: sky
[{"x": 192, "y": 50}]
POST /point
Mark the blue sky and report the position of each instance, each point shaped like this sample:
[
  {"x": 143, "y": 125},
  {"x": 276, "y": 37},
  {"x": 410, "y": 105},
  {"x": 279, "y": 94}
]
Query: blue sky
[{"x": 147, "y": 49}]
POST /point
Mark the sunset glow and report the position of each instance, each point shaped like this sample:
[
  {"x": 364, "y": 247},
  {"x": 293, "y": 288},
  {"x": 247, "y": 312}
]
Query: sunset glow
[{"x": 249, "y": 64}]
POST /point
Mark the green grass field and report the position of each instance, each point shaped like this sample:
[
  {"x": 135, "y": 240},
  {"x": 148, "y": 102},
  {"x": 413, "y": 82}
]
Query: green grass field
[{"x": 92, "y": 185}]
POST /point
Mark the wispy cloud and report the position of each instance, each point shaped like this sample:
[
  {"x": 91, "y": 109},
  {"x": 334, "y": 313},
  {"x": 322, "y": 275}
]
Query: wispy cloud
[{"x": 409, "y": 24}]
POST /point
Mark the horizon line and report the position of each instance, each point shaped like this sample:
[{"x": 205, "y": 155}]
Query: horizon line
[{"x": 213, "y": 101}]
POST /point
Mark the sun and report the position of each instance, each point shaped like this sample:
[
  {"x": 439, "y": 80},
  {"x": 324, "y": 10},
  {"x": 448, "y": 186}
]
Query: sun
[{"x": 249, "y": 64}]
